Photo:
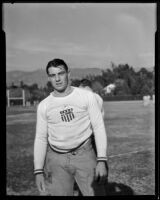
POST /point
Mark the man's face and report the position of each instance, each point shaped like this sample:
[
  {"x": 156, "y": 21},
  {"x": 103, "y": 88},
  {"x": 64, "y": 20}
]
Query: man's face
[{"x": 59, "y": 78}]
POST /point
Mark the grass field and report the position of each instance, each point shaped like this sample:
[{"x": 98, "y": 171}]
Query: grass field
[{"x": 131, "y": 137}]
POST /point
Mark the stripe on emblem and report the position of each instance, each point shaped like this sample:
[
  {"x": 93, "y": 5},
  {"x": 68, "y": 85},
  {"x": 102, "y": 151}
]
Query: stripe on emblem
[{"x": 67, "y": 116}]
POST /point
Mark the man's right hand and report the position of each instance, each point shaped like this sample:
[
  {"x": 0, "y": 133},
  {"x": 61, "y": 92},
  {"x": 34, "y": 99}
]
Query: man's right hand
[{"x": 40, "y": 183}]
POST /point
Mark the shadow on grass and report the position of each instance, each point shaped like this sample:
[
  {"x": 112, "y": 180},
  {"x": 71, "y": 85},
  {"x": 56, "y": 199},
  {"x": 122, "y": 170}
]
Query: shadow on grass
[{"x": 112, "y": 189}]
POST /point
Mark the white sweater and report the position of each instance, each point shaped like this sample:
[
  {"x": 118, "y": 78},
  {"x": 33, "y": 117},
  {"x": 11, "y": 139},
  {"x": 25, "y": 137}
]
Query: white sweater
[
  {"x": 98, "y": 98},
  {"x": 65, "y": 122}
]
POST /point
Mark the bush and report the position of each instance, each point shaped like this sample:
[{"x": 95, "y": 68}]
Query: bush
[{"x": 122, "y": 98}]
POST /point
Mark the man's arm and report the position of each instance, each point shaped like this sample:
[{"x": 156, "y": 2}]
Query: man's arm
[
  {"x": 98, "y": 126},
  {"x": 40, "y": 148},
  {"x": 40, "y": 143},
  {"x": 100, "y": 136},
  {"x": 102, "y": 109},
  {"x": 100, "y": 103}
]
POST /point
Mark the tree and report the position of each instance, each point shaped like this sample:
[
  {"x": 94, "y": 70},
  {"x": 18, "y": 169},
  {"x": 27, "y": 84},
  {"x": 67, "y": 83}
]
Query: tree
[
  {"x": 121, "y": 87},
  {"x": 21, "y": 84},
  {"x": 48, "y": 89},
  {"x": 108, "y": 77},
  {"x": 37, "y": 95},
  {"x": 34, "y": 86},
  {"x": 13, "y": 85},
  {"x": 97, "y": 87},
  {"x": 75, "y": 82},
  {"x": 145, "y": 90}
]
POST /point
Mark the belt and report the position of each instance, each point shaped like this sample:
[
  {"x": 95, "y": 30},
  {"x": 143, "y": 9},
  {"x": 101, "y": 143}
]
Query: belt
[{"x": 70, "y": 150}]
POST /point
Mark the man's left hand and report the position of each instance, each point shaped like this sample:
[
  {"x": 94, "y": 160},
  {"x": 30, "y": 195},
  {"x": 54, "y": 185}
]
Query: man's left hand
[{"x": 101, "y": 172}]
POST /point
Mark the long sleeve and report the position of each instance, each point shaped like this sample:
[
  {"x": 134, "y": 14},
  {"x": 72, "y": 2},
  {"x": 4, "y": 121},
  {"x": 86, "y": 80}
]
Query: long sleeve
[
  {"x": 40, "y": 143},
  {"x": 102, "y": 110},
  {"x": 101, "y": 106},
  {"x": 98, "y": 127},
  {"x": 100, "y": 103}
]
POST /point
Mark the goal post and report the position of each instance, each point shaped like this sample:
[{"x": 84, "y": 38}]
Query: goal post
[{"x": 15, "y": 94}]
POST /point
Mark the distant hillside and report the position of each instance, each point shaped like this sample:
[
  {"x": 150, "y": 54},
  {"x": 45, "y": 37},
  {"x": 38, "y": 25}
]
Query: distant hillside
[{"x": 40, "y": 77}]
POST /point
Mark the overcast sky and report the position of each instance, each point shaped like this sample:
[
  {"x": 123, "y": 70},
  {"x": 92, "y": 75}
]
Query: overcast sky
[{"x": 83, "y": 34}]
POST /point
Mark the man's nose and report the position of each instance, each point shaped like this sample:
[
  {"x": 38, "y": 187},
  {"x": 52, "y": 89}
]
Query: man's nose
[{"x": 57, "y": 78}]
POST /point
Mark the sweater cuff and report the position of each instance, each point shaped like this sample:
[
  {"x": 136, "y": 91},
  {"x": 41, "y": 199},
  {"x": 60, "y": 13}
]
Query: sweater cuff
[
  {"x": 38, "y": 171},
  {"x": 101, "y": 159}
]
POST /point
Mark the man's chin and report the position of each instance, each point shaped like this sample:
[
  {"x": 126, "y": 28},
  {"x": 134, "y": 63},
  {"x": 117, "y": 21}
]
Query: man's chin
[{"x": 61, "y": 90}]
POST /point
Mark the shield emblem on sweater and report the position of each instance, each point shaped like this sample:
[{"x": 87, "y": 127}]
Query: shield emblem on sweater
[{"x": 67, "y": 115}]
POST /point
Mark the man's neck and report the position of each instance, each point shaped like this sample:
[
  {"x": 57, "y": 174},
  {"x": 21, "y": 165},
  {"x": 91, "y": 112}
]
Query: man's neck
[{"x": 64, "y": 93}]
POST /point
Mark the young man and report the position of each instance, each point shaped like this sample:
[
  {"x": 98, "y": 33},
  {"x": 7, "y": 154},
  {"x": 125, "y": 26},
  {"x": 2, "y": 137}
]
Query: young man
[
  {"x": 86, "y": 84},
  {"x": 63, "y": 151}
]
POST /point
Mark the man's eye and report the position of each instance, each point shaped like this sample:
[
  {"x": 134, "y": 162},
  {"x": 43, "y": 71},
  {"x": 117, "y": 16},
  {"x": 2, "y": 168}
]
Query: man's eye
[
  {"x": 51, "y": 75},
  {"x": 61, "y": 73}
]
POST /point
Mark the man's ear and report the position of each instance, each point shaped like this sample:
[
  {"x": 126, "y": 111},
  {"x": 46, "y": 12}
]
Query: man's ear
[
  {"x": 69, "y": 73},
  {"x": 69, "y": 80}
]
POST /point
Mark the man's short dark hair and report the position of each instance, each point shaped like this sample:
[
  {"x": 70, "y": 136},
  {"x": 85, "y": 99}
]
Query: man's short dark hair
[
  {"x": 85, "y": 82},
  {"x": 55, "y": 63}
]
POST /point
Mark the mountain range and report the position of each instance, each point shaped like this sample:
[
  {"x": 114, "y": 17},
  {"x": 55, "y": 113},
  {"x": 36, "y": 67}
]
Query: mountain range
[{"x": 40, "y": 77}]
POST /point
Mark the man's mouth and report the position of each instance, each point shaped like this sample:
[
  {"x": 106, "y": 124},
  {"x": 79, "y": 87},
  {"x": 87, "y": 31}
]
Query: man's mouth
[{"x": 58, "y": 84}]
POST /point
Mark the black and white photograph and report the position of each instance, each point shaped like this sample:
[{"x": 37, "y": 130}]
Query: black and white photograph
[{"x": 80, "y": 99}]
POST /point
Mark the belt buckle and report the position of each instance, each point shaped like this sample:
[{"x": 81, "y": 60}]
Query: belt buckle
[{"x": 73, "y": 152}]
